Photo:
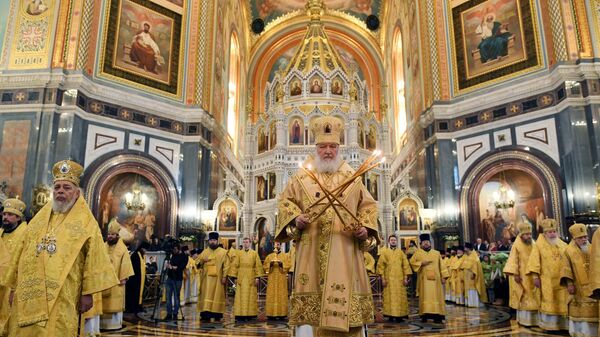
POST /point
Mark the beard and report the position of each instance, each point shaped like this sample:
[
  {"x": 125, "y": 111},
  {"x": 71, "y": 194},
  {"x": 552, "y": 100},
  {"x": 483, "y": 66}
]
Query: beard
[
  {"x": 327, "y": 165},
  {"x": 585, "y": 248},
  {"x": 427, "y": 248},
  {"x": 112, "y": 242},
  {"x": 552, "y": 241},
  {"x": 213, "y": 246},
  {"x": 62, "y": 206}
]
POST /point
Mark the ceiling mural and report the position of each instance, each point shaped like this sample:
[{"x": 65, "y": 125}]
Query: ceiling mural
[{"x": 268, "y": 10}]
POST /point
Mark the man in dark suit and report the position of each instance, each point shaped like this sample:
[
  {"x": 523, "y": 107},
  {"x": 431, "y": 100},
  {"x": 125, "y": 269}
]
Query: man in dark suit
[{"x": 480, "y": 246}]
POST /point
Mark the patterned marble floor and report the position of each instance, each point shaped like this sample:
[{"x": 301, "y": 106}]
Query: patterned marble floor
[{"x": 490, "y": 321}]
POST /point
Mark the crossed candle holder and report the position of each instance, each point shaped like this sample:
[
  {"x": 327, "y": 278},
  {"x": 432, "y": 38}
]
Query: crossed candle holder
[{"x": 333, "y": 195}]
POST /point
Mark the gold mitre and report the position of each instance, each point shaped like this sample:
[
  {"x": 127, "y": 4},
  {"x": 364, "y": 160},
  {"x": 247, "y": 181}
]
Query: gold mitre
[
  {"x": 327, "y": 129},
  {"x": 578, "y": 230},
  {"x": 524, "y": 228},
  {"x": 114, "y": 227},
  {"x": 67, "y": 170},
  {"x": 549, "y": 224},
  {"x": 14, "y": 206}
]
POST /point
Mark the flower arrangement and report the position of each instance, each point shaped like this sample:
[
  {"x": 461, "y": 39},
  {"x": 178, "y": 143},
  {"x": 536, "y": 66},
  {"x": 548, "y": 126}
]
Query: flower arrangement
[
  {"x": 188, "y": 238},
  {"x": 451, "y": 237}
]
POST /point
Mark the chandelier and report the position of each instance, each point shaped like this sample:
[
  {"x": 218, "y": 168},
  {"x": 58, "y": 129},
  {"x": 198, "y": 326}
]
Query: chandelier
[
  {"x": 504, "y": 198},
  {"x": 135, "y": 200}
]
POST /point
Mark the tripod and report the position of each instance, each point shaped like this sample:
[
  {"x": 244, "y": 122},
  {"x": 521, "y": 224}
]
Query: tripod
[{"x": 159, "y": 292}]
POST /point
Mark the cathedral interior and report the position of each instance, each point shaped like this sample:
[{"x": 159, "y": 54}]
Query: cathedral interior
[{"x": 191, "y": 116}]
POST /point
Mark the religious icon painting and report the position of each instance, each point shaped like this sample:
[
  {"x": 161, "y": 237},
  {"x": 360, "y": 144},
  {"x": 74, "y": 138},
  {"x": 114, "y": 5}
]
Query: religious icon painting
[
  {"x": 492, "y": 39},
  {"x": 296, "y": 130},
  {"x": 272, "y": 178},
  {"x": 141, "y": 44},
  {"x": 296, "y": 88},
  {"x": 261, "y": 189},
  {"x": 227, "y": 216},
  {"x": 316, "y": 85},
  {"x": 408, "y": 214},
  {"x": 337, "y": 87}
]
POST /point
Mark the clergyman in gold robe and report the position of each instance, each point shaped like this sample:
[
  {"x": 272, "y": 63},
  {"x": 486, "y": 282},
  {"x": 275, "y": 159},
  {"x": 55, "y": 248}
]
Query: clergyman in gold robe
[
  {"x": 431, "y": 276},
  {"x": 447, "y": 262},
  {"x": 395, "y": 273},
  {"x": 458, "y": 276},
  {"x": 332, "y": 292},
  {"x": 595, "y": 269},
  {"x": 113, "y": 299},
  {"x": 63, "y": 261},
  {"x": 12, "y": 234},
  {"x": 214, "y": 264},
  {"x": 583, "y": 310},
  {"x": 276, "y": 267},
  {"x": 524, "y": 297},
  {"x": 369, "y": 263},
  {"x": 545, "y": 265},
  {"x": 247, "y": 271},
  {"x": 475, "y": 291}
]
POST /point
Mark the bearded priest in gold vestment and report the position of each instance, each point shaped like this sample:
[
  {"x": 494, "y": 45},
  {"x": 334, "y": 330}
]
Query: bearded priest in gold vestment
[
  {"x": 524, "y": 297},
  {"x": 431, "y": 276},
  {"x": 12, "y": 233},
  {"x": 247, "y": 270},
  {"x": 395, "y": 271},
  {"x": 113, "y": 300},
  {"x": 595, "y": 269},
  {"x": 583, "y": 310},
  {"x": 332, "y": 292},
  {"x": 449, "y": 285},
  {"x": 475, "y": 291},
  {"x": 214, "y": 264},
  {"x": 545, "y": 266},
  {"x": 276, "y": 266},
  {"x": 63, "y": 261}
]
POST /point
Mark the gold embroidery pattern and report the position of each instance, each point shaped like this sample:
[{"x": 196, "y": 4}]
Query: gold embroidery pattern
[
  {"x": 334, "y": 313},
  {"x": 306, "y": 309},
  {"x": 287, "y": 211},
  {"x": 336, "y": 300},
  {"x": 303, "y": 279},
  {"x": 324, "y": 237},
  {"x": 368, "y": 217},
  {"x": 338, "y": 287}
]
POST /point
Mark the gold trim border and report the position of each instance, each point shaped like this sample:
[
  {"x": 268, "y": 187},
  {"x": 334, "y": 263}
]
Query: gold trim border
[{"x": 455, "y": 91}]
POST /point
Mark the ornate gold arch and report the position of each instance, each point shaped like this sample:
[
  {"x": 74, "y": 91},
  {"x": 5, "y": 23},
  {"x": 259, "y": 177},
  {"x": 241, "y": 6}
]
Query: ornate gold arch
[
  {"x": 270, "y": 46},
  {"x": 524, "y": 161}
]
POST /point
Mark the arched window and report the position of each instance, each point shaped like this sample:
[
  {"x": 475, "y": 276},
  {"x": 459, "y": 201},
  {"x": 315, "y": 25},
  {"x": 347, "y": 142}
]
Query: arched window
[
  {"x": 398, "y": 86},
  {"x": 233, "y": 88}
]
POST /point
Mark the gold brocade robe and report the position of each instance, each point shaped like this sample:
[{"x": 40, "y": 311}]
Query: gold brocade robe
[
  {"x": 369, "y": 263},
  {"x": 292, "y": 258},
  {"x": 458, "y": 277},
  {"x": 212, "y": 291},
  {"x": 429, "y": 281},
  {"x": 524, "y": 295},
  {"x": 472, "y": 266},
  {"x": 49, "y": 286},
  {"x": 393, "y": 267},
  {"x": 113, "y": 299},
  {"x": 450, "y": 281},
  {"x": 13, "y": 244},
  {"x": 276, "y": 266},
  {"x": 577, "y": 270},
  {"x": 594, "y": 286},
  {"x": 546, "y": 260},
  {"x": 246, "y": 269},
  {"x": 332, "y": 291}
]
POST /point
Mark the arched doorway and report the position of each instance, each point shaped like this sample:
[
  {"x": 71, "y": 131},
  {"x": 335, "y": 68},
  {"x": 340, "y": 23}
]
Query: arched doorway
[
  {"x": 120, "y": 178},
  {"x": 504, "y": 190}
]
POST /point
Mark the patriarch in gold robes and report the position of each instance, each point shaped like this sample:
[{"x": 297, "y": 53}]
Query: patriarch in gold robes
[
  {"x": 458, "y": 276},
  {"x": 332, "y": 292},
  {"x": 113, "y": 299},
  {"x": 545, "y": 266},
  {"x": 431, "y": 276},
  {"x": 475, "y": 290},
  {"x": 214, "y": 264},
  {"x": 247, "y": 271},
  {"x": 63, "y": 261},
  {"x": 276, "y": 267},
  {"x": 524, "y": 296},
  {"x": 583, "y": 310},
  {"x": 594, "y": 286},
  {"x": 12, "y": 234},
  {"x": 395, "y": 273}
]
